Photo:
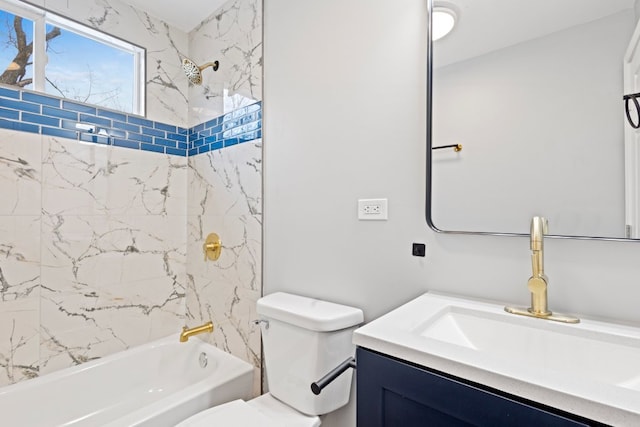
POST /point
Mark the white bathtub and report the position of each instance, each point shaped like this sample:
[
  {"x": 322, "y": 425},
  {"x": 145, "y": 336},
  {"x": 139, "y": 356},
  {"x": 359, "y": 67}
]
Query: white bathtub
[{"x": 157, "y": 384}]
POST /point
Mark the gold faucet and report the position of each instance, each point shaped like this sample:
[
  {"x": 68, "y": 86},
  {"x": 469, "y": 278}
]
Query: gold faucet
[
  {"x": 187, "y": 333},
  {"x": 538, "y": 282}
]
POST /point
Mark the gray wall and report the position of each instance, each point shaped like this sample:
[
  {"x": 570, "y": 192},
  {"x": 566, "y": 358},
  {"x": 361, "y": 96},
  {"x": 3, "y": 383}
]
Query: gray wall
[
  {"x": 345, "y": 119},
  {"x": 545, "y": 114}
]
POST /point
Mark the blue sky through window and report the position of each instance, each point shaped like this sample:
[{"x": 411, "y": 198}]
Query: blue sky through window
[
  {"x": 78, "y": 67},
  {"x": 88, "y": 71}
]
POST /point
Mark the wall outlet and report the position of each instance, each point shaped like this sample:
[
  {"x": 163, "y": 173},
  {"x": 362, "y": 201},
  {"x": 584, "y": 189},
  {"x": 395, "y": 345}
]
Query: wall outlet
[{"x": 372, "y": 209}]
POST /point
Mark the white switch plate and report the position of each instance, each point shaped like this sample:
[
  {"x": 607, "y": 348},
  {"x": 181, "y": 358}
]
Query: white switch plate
[{"x": 372, "y": 209}]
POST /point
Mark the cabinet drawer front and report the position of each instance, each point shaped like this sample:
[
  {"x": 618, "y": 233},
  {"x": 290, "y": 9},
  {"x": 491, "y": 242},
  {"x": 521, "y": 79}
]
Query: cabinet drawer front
[{"x": 391, "y": 393}]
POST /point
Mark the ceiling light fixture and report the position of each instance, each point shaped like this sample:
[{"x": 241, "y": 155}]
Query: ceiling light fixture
[{"x": 443, "y": 20}]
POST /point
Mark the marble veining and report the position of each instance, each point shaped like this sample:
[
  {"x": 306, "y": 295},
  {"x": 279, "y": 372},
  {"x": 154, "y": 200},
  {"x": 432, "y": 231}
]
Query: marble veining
[
  {"x": 90, "y": 178},
  {"x": 225, "y": 196},
  {"x": 19, "y": 255},
  {"x": 232, "y": 35},
  {"x": 21, "y": 168},
  {"x": 20, "y": 173},
  {"x": 19, "y": 346},
  {"x": 96, "y": 264},
  {"x": 20, "y": 192},
  {"x": 227, "y": 182},
  {"x": 19, "y": 336},
  {"x": 109, "y": 282},
  {"x": 106, "y": 12}
]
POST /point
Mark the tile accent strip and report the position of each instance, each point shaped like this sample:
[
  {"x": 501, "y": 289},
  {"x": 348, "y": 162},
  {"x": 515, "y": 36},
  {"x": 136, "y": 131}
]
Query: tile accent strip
[
  {"x": 49, "y": 115},
  {"x": 27, "y": 111},
  {"x": 236, "y": 127}
]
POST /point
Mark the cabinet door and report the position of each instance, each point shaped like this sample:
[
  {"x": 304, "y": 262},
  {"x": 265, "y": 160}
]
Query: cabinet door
[{"x": 391, "y": 393}]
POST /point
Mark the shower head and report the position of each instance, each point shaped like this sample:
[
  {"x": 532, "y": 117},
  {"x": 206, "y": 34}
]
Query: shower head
[{"x": 194, "y": 72}]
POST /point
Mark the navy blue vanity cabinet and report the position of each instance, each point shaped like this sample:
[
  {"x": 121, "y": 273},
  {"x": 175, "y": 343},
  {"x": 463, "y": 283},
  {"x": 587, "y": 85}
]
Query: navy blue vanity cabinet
[{"x": 393, "y": 393}]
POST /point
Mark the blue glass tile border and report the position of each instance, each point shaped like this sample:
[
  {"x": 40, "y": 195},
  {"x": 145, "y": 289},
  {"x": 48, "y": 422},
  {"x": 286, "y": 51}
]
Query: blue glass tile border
[
  {"x": 239, "y": 126},
  {"x": 33, "y": 112}
]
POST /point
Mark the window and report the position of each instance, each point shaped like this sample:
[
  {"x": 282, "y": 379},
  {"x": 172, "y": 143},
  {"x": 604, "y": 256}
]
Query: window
[{"x": 48, "y": 53}]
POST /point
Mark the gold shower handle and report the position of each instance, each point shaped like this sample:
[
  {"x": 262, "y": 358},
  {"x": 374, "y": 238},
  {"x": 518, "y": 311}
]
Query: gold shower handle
[{"x": 212, "y": 247}]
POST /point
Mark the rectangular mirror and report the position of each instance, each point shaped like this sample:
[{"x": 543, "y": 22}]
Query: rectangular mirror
[{"x": 533, "y": 93}]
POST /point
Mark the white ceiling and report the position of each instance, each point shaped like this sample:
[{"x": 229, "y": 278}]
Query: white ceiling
[
  {"x": 185, "y": 14},
  {"x": 488, "y": 25},
  {"x": 541, "y": 17}
]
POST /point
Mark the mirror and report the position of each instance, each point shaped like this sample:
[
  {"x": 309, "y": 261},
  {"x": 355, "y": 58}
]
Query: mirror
[{"x": 533, "y": 92}]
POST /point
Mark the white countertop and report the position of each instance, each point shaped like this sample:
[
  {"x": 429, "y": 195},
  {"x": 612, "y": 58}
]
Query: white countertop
[{"x": 400, "y": 333}]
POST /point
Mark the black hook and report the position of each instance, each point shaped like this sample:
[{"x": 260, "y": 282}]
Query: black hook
[{"x": 634, "y": 98}]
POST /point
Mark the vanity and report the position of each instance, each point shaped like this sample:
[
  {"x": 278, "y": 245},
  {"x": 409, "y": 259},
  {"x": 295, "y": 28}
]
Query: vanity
[
  {"x": 537, "y": 109},
  {"x": 442, "y": 360}
]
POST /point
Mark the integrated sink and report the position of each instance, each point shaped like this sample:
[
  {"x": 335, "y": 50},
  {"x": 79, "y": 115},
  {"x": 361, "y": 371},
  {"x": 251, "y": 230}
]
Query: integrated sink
[
  {"x": 590, "y": 368},
  {"x": 564, "y": 349}
]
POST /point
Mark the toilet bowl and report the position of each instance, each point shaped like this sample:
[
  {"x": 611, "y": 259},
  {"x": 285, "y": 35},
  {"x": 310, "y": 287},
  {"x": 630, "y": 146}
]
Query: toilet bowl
[
  {"x": 263, "y": 411},
  {"x": 303, "y": 339}
]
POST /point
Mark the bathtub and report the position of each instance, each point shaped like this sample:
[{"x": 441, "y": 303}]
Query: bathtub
[{"x": 156, "y": 384}]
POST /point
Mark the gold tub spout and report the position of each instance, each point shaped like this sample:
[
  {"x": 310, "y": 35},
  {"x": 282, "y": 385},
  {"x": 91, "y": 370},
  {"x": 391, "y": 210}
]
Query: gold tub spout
[{"x": 187, "y": 333}]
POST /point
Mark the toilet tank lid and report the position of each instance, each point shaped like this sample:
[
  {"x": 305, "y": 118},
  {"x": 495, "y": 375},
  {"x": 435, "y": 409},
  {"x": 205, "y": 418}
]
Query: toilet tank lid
[{"x": 308, "y": 313}]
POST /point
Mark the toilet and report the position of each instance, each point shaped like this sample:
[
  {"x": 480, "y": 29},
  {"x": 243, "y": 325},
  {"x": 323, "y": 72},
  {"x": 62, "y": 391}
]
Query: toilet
[{"x": 303, "y": 339}]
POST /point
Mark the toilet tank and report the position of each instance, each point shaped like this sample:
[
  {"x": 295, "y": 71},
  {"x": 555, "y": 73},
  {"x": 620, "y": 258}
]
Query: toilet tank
[{"x": 304, "y": 339}]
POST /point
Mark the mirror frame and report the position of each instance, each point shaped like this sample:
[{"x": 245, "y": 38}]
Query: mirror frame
[{"x": 429, "y": 157}]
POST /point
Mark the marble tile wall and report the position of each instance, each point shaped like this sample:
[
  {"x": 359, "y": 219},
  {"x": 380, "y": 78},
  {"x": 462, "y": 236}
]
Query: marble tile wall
[
  {"x": 225, "y": 197},
  {"x": 113, "y": 250},
  {"x": 20, "y": 246},
  {"x": 93, "y": 251},
  {"x": 225, "y": 186}
]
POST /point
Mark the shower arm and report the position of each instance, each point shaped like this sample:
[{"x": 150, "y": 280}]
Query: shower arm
[{"x": 214, "y": 65}]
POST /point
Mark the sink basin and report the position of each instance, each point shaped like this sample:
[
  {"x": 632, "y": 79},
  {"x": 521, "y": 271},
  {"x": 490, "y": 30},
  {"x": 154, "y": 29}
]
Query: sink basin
[
  {"x": 565, "y": 349},
  {"x": 591, "y": 368}
]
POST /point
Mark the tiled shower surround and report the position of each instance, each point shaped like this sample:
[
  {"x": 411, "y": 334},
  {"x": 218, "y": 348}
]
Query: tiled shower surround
[
  {"x": 225, "y": 186},
  {"x": 101, "y": 244}
]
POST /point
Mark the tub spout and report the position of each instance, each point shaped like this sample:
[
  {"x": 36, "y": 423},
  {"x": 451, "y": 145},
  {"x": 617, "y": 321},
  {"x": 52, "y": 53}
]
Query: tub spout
[{"x": 189, "y": 332}]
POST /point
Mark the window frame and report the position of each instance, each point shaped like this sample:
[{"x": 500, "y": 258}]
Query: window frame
[{"x": 41, "y": 17}]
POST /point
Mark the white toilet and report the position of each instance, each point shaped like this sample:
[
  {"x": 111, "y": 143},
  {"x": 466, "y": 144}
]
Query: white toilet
[{"x": 303, "y": 339}]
